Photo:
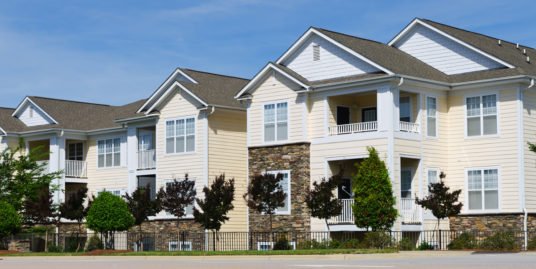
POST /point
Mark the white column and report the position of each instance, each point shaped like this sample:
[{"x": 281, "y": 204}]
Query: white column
[
  {"x": 132, "y": 158},
  {"x": 387, "y": 111},
  {"x": 57, "y": 163}
]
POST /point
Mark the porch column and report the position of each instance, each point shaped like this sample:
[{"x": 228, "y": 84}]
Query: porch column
[
  {"x": 132, "y": 158},
  {"x": 387, "y": 103},
  {"x": 57, "y": 163}
]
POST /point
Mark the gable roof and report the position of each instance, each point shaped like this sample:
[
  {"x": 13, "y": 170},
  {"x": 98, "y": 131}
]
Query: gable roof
[
  {"x": 209, "y": 89},
  {"x": 28, "y": 100},
  {"x": 71, "y": 115}
]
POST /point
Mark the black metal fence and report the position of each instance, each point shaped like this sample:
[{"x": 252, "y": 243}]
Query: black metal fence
[{"x": 229, "y": 241}]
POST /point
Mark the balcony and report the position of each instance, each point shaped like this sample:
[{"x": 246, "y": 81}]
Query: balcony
[
  {"x": 146, "y": 159},
  {"x": 76, "y": 169},
  {"x": 352, "y": 128},
  {"x": 409, "y": 127},
  {"x": 347, "y": 214},
  {"x": 411, "y": 212}
]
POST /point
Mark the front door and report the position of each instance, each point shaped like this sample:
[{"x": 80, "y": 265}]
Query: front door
[
  {"x": 368, "y": 114},
  {"x": 343, "y": 115}
]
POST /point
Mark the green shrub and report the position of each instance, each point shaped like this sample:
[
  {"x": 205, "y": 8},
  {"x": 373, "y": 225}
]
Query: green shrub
[
  {"x": 377, "y": 240},
  {"x": 406, "y": 244},
  {"x": 532, "y": 244},
  {"x": 55, "y": 248},
  {"x": 425, "y": 246},
  {"x": 282, "y": 244},
  {"x": 333, "y": 244},
  {"x": 500, "y": 241},
  {"x": 349, "y": 244},
  {"x": 463, "y": 241},
  {"x": 10, "y": 221},
  {"x": 72, "y": 243},
  {"x": 313, "y": 244},
  {"x": 94, "y": 243}
]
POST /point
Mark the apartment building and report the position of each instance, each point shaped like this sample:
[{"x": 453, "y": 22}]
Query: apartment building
[
  {"x": 190, "y": 125},
  {"x": 434, "y": 99}
]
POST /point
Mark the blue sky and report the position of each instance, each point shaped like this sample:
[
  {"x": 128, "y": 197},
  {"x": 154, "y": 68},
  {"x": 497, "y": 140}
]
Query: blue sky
[{"x": 119, "y": 51}]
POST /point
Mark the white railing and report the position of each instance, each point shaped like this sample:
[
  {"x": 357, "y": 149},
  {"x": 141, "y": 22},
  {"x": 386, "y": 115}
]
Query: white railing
[
  {"x": 351, "y": 128},
  {"x": 146, "y": 159},
  {"x": 46, "y": 168},
  {"x": 409, "y": 127},
  {"x": 410, "y": 211},
  {"x": 347, "y": 214},
  {"x": 76, "y": 169}
]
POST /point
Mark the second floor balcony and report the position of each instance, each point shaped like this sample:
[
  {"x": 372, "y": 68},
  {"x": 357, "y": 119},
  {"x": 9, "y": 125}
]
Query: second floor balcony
[{"x": 146, "y": 159}]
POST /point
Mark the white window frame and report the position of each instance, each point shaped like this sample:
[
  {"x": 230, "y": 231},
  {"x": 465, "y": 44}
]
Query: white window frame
[
  {"x": 175, "y": 120},
  {"x": 113, "y": 152},
  {"x": 287, "y": 212},
  {"x": 466, "y": 200},
  {"x": 481, "y": 116},
  {"x": 179, "y": 245},
  {"x": 275, "y": 103},
  {"x": 435, "y": 116},
  {"x": 271, "y": 245}
]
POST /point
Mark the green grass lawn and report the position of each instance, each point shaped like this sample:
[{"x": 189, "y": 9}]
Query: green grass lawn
[{"x": 217, "y": 253}]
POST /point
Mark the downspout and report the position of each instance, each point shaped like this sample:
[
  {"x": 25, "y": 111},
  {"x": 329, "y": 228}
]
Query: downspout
[{"x": 212, "y": 110}]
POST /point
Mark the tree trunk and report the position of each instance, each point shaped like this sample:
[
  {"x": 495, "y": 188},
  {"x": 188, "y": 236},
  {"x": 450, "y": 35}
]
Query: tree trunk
[
  {"x": 438, "y": 233},
  {"x": 78, "y": 236},
  {"x": 46, "y": 240}
]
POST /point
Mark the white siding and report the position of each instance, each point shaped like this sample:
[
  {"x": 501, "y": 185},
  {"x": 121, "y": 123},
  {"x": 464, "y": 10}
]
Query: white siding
[
  {"x": 443, "y": 53},
  {"x": 35, "y": 118},
  {"x": 334, "y": 62},
  {"x": 529, "y": 124}
]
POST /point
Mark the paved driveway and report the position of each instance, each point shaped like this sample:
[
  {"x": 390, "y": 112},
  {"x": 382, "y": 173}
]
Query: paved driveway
[{"x": 413, "y": 260}]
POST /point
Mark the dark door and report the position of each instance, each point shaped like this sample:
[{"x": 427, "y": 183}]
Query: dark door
[
  {"x": 345, "y": 189},
  {"x": 343, "y": 115},
  {"x": 368, "y": 114}
]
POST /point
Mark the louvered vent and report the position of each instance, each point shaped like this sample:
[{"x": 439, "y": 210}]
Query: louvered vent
[{"x": 316, "y": 52}]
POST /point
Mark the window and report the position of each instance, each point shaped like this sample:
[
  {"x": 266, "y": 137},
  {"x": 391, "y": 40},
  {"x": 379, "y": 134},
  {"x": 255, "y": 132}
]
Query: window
[
  {"x": 433, "y": 177},
  {"x": 275, "y": 122},
  {"x": 405, "y": 109},
  {"x": 431, "y": 116},
  {"x": 180, "y": 135},
  {"x": 481, "y": 113},
  {"x": 405, "y": 188},
  {"x": 75, "y": 152},
  {"x": 316, "y": 52},
  {"x": 285, "y": 183},
  {"x": 180, "y": 245},
  {"x": 483, "y": 189},
  {"x": 109, "y": 152},
  {"x": 264, "y": 246}
]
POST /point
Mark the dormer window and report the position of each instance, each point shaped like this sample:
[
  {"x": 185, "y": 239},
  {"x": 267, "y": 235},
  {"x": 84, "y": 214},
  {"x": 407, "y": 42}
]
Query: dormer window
[{"x": 316, "y": 52}]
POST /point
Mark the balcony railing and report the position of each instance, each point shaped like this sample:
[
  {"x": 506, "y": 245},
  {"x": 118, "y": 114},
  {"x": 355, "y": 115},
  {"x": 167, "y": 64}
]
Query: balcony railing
[
  {"x": 77, "y": 169},
  {"x": 346, "y": 216},
  {"x": 146, "y": 159},
  {"x": 409, "y": 127},
  {"x": 410, "y": 211},
  {"x": 351, "y": 128}
]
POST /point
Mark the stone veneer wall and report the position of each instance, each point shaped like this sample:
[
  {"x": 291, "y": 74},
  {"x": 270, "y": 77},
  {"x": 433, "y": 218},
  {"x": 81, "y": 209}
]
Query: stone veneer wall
[
  {"x": 157, "y": 234},
  {"x": 490, "y": 223},
  {"x": 296, "y": 158}
]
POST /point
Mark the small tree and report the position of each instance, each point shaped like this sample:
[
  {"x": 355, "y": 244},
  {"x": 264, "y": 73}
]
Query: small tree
[
  {"x": 177, "y": 196},
  {"x": 109, "y": 213},
  {"x": 10, "y": 221},
  {"x": 321, "y": 199},
  {"x": 39, "y": 209},
  {"x": 217, "y": 203},
  {"x": 441, "y": 201},
  {"x": 73, "y": 209},
  {"x": 141, "y": 206},
  {"x": 374, "y": 205},
  {"x": 265, "y": 194}
]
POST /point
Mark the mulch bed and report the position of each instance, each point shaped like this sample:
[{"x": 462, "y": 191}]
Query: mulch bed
[
  {"x": 99, "y": 252},
  {"x": 5, "y": 252}
]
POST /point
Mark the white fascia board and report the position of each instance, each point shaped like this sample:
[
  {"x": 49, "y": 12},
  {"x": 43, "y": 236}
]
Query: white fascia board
[
  {"x": 168, "y": 91},
  {"x": 417, "y": 21},
  {"x": 312, "y": 31},
  {"x": 28, "y": 100},
  {"x": 2, "y": 132},
  {"x": 268, "y": 67},
  {"x": 162, "y": 87}
]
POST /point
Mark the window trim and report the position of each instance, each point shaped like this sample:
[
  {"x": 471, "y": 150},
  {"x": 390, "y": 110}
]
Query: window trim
[
  {"x": 497, "y": 114},
  {"x": 289, "y": 194},
  {"x": 466, "y": 191},
  {"x": 120, "y": 152},
  {"x": 436, "y": 116},
  {"x": 179, "y": 245},
  {"x": 174, "y": 137},
  {"x": 263, "y": 137}
]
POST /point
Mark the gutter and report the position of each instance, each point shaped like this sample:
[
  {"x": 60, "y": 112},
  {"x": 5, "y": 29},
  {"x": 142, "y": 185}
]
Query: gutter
[{"x": 136, "y": 119}]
